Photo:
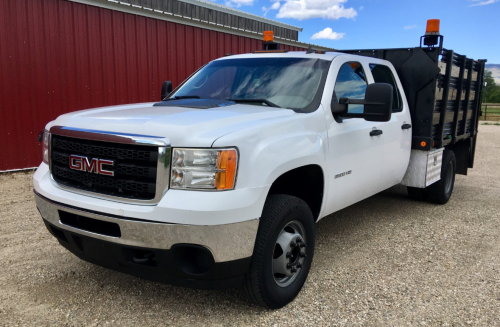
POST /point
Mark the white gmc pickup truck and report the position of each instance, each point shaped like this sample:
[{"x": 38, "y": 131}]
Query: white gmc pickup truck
[{"x": 221, "y": 183}]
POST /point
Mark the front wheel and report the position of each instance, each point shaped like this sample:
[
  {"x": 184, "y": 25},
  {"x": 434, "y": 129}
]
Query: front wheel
[{"x": 283, "y": 252}]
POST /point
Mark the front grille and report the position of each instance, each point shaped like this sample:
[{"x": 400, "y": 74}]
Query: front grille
[
  {"x": 104, "y": 149},
  {"x": 118, "y": 168},
  {"x": 135, "y": 167}
]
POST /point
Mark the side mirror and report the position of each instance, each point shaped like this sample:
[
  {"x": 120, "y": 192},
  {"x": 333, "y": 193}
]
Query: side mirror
[
  {"x": 166, "y": 89},
  {"x": 377, "y": 102}
]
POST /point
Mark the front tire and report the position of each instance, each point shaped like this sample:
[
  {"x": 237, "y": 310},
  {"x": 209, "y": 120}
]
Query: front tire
[{"x": 283, "y": 252}]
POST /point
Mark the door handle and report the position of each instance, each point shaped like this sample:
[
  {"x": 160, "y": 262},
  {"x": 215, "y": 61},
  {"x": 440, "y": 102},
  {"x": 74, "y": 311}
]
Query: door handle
[
  {"x": 376, "y": 132},
  {"x": 406, "y": 126}
]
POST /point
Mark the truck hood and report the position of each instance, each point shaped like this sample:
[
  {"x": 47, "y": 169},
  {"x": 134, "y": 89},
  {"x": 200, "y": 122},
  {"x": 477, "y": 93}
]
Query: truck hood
[{"x": 185, "y": 127}]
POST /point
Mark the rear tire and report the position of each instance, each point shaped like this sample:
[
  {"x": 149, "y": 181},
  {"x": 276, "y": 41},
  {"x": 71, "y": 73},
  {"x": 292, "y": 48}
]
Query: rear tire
[
  {"x": 417, "y": 194},
  {"x": 440, "y": 192},
  {"x": 285, "y": 238}
]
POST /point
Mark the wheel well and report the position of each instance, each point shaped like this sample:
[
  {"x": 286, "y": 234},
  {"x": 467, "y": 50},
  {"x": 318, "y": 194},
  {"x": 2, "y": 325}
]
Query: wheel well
[{"x": 306, "y": 183}]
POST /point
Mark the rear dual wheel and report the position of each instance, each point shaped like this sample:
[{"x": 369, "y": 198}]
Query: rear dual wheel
[
  {"x": 283, "y": 252},
  {"x": 439, "y": 192}
]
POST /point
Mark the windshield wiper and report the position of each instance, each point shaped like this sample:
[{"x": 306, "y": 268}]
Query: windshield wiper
[
  {"x": 267, "y": 102},
  {"x": 183, "y": 97}
]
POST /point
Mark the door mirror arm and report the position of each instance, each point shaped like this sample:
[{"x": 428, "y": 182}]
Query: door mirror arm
[
  {"x": 359, "y": 101},
  {"x": 348, "y": 101},
  {"x": 378, "y": 104}
]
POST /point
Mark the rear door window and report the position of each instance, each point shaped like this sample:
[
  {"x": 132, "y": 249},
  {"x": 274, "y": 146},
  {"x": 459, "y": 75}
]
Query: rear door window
[{"x": 383, "y": 74}]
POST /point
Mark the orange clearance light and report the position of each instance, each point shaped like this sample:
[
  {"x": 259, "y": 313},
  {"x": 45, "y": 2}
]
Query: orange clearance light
[
  {"x": 268, "y": 36},
  {"x": 354, "y": 65},
  {"x": 432, "y": 27},
  {"x": 423, "y": 144},
  {"x": 226, "y": 164}
]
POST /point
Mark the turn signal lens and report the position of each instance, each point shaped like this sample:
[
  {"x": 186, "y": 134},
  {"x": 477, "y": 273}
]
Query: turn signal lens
[
  {"x": 207, "y": 169},
  {"x": 423, "y": 144},
  {"x": 226, "y": 164},
  {"x": 432, "y": 27},
  {"x": 268, "y": 36}
]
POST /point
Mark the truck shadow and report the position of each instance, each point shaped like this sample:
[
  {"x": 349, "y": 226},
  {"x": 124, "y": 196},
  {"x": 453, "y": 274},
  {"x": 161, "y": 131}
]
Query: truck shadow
[{"x": 338, "y": 235}]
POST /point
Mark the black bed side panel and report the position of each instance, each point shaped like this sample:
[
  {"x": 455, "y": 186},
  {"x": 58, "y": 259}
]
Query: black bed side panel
[{"x": 458, "y": 98}]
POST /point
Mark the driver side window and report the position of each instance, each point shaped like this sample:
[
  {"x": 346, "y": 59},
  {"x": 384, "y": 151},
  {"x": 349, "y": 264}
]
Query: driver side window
[{"x": 351, "y": 83}]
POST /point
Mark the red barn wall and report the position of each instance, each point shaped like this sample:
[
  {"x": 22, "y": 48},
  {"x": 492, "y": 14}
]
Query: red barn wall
[{"x": 58, "y": 56}]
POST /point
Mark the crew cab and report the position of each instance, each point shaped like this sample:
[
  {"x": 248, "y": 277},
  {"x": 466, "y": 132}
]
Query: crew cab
[{"x": 221, "y": 183}]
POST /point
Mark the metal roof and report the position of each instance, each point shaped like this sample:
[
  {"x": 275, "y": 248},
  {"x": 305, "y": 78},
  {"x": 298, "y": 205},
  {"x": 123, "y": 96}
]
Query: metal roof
[
  {"x": 240, "y": 13},
  {"x": 209, "y": 16},
  {"x": 211, "y": 13}
]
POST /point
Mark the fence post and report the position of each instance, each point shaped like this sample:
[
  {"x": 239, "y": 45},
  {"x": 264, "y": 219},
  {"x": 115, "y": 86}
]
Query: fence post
[{"x": 485, "y": 112}]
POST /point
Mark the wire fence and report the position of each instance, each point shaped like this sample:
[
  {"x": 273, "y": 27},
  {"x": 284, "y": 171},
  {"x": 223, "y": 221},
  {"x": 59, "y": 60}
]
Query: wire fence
[{"x": 491, "y": 111}]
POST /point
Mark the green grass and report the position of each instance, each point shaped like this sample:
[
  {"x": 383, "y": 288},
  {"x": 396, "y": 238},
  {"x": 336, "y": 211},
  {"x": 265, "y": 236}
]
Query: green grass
[
  {"x": 496, "y": 124},
  {"x": 492, "y": 110}
]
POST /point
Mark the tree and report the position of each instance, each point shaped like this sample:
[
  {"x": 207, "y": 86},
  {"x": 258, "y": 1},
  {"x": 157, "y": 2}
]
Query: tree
[{"x": 491, "y": 91}]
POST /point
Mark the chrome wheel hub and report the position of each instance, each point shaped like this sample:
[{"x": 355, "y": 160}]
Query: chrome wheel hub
[{"x": 289, "y": 253}]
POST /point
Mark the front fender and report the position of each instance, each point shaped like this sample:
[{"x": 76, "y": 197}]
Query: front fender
[{"x": 271, "y": 148}]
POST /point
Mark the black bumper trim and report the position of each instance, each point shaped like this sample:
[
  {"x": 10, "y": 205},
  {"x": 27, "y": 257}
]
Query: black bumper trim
[{"x": 165, "y": 267}]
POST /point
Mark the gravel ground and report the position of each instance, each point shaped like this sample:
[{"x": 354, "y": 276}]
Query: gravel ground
[{"x": 386, "y": 261}]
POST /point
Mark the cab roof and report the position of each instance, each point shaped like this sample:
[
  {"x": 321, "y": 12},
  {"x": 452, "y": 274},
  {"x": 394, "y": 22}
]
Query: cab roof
[{"x": 291, "y": 54}]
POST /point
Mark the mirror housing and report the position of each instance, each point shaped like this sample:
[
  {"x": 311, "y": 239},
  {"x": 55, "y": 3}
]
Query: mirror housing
[
  {"x": 337, "y": 107},
  {"x": 166, "y": 89},
  {"x": 377, "y": 102}
]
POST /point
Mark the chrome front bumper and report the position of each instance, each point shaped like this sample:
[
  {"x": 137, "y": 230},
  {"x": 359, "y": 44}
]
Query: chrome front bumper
[{"x": 226, "y": 242}]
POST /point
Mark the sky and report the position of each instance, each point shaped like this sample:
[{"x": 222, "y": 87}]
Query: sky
[{"x": 470, "y": 27}]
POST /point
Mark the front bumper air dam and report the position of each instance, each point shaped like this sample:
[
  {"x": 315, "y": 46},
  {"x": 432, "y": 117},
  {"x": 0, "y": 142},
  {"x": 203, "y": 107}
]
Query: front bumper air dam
[{"x": 209, "y": 257}]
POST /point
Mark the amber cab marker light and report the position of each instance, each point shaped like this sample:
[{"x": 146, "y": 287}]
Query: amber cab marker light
[
  {"x": 268, "y": 36},
  {"x": 354, "y": 65},
  {"x": 432, "y": 27},
  {"x": 423, "y": 144}
]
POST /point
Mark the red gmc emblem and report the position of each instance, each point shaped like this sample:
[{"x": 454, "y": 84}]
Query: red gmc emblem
[{"x": 94, "y": 166}]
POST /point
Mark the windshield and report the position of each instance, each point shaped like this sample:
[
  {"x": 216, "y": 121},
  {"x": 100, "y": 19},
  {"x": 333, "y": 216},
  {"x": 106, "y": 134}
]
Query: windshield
[{"x": 293, "y": 83}]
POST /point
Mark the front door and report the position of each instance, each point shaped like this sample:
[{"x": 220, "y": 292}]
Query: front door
[{"x": 355, "y": 152}]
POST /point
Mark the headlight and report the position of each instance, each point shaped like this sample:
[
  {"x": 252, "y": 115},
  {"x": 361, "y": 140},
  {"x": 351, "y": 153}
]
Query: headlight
[
  {"x": 207, "y": 169},
  {"x": 45, "y": 147}
]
